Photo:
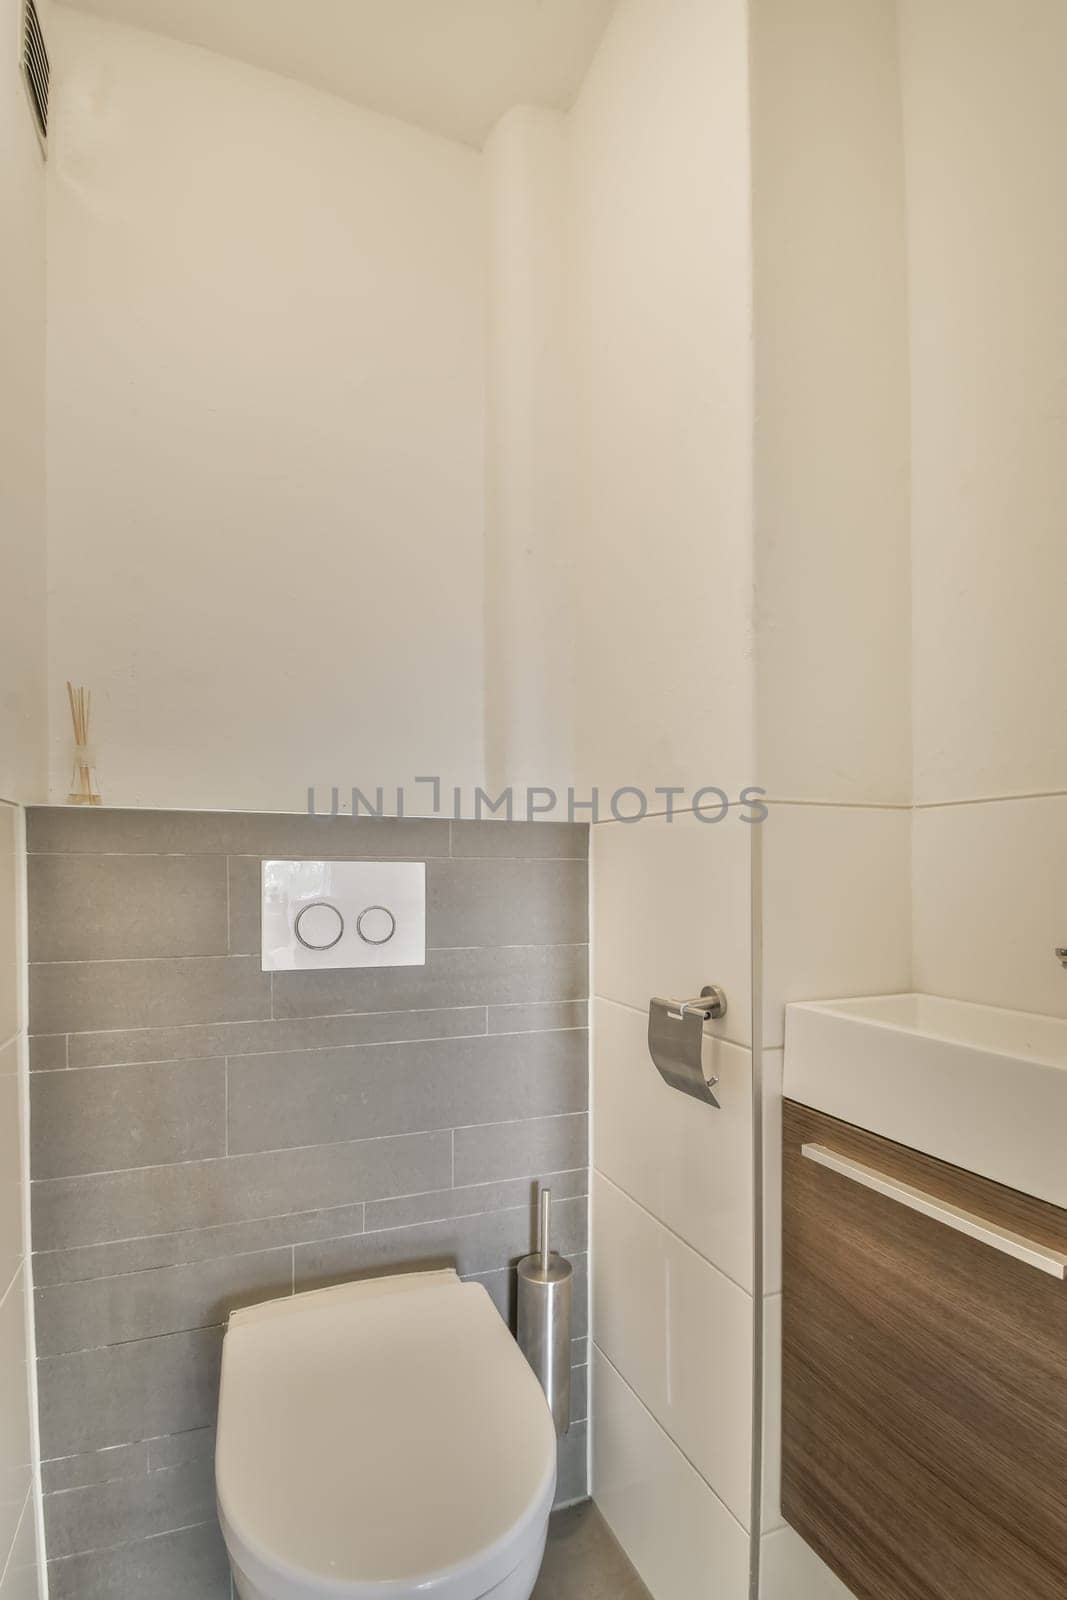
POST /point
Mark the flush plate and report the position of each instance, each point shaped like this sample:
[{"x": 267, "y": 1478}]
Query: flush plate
[{"x": 321, "y": 914}]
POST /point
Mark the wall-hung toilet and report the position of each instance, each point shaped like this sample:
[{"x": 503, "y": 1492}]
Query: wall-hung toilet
[{"x": 384, "y": 1440}]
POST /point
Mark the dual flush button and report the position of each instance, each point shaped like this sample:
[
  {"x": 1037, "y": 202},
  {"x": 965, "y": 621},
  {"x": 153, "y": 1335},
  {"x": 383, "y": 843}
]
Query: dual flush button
[
  {"x": 318, "y": 914},
  {"x": 319, "y": 925}
]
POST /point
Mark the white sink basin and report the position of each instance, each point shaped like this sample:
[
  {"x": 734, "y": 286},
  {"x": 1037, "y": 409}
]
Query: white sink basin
[{"x": 982, "y": 1088}]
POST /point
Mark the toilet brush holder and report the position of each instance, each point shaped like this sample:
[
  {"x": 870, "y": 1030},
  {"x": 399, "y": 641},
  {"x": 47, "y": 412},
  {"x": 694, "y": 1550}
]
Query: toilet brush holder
[{"x": 544, "y": 1320}]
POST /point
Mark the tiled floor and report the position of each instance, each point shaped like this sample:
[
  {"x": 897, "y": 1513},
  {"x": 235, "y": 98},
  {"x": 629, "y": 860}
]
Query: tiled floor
[{"x": 583, "y": 1562}]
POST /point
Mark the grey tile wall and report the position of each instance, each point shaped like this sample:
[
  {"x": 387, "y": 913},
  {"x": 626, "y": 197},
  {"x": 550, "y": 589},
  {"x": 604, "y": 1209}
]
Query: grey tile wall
[{"x": 205, "y": 1135}]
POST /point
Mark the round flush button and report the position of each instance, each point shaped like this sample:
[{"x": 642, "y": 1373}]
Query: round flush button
[
  {"x": 376, "y": 925},
  {"x": 319, "y": 926}
]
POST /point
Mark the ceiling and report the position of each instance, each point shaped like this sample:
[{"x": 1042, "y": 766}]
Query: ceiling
[{"x": 451, "y": 66}]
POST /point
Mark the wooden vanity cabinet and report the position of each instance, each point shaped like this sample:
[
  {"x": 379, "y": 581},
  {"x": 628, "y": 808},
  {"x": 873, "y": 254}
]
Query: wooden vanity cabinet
[{"x": 924, "y": 1371}]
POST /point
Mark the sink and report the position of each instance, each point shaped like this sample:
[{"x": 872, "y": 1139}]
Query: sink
[{"x": 981, "y": 1087}]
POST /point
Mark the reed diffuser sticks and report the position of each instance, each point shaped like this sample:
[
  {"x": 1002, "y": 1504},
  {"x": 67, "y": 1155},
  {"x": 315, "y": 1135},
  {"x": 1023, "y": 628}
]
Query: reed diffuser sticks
[{"x": 83, "y": 782}]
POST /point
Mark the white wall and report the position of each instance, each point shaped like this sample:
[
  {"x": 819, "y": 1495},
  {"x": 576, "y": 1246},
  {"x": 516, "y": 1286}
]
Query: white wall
[
  {"x": 664, "y": 385},
  {"x": 832, "y": 535},
  {"x": 530, "y": 458},
  {"x": 832, "y": 571},
  {"x": 22, "y": 481},
  {"x": 985, "y": 122},
  {"x": 265, "y": 367},
  {"x": 663, "y": 559}
]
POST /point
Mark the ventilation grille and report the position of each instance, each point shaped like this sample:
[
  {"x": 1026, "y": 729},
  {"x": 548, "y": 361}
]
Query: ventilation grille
[{"x": 36, "y": 67}]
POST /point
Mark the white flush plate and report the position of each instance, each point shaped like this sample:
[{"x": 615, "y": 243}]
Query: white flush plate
[{"x": 319, "y": 914}]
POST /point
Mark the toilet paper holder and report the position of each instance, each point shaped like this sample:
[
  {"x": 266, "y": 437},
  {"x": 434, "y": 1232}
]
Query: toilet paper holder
[{"x": 676, "y": 1041}]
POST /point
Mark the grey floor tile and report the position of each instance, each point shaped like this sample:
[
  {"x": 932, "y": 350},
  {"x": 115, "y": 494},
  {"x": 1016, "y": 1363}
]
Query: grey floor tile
[
  {"x": 584, "y": 1562},
  {"x": 483, "y": 976},
  {"x": 513, "y": 1149},
  {"x": 112, "y": 1118},
  {"x": 371, "y": 1090},
  {"x": 80, "y": 996},
  {"x": 529, "y": 840},
  {"x": 125, "y": 1510},
  {"x": 116, "y": 1048},
  {"x": 126, "y": 1392},
  {"x": 98, "y": 908},
  {"x": 188, "y": 1565},
  {"x": 143, "y": 1305},
  {"x": 279, "y": 835},
  {"x": 68, "y": 1212}
]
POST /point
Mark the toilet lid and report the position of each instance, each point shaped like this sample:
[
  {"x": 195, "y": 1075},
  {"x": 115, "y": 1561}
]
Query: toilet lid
[{"x": 379, "y": 1438}]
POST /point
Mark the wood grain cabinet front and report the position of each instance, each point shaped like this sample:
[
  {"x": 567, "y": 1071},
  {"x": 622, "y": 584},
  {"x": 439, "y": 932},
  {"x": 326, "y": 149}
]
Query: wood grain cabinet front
[{"x": 924, "y": 1371}]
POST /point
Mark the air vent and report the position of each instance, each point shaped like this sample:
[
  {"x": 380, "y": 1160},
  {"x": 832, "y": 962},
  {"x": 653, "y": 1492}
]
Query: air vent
[{"x": 36, "y": 68}]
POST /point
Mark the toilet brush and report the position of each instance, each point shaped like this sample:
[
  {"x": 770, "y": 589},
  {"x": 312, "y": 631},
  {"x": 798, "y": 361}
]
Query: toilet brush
[{"x": 544, "y": 1323}]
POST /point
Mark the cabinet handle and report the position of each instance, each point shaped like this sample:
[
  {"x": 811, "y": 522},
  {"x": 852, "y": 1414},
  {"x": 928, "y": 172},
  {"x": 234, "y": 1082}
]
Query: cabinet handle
[{"x": 1010, "y": 1244}]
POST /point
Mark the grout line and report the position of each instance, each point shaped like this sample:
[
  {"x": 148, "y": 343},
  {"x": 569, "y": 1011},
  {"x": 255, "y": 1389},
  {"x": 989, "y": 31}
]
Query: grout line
[
  {"x": 317, "y": 1049},
  {"x": 128, "y": 1544},
  {"x": 991, "y": 799},
  {"x": 296, "y": 1244},
  {"x": 279, "y": 1216},
  {"x": 452, "y": 1140},
  {"x": 672, "y": 1440},
  {"x": 12, "y": 1281},
  {"x": 759, "y": 1231},
  {"x": 226, "y": 1105},
  {"x": 624, "y": 1005},
  {"x": 434, "y": 949},
  {"x": 283, "y": 1149},
  {"x": 229, "y": 928},
  {"x": 27, "y": 1505},
  {"x": 707, "y": 1261}
]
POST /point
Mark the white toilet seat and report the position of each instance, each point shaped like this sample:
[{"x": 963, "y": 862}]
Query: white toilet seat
[{"x": 379, "y": 1441}]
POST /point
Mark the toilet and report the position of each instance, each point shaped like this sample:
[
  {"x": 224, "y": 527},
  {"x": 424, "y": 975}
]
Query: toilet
[{"x": 382, "y": 1440}]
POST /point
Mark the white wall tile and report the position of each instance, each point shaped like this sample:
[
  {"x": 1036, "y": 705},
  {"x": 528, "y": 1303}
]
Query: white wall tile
[
  {"x": 20, "y": 1578},
  {"x": 672, "y": 912},
  {"x": 990, "y": 902},
  {"x": 680, "y": 1332},
  {"x": 10, "y": 1165},
  {"x": 790, "y": 1570},
  {"x": 836, "y": 905},
  {"x": 772, "y": 1413},
  {"x": 678, "y": 1534},
  {"x": 687, "y": 1163},
  {"x": 772, "y": 1170},
  {"x": 14, "y": 1413},
  {"x": 9, "y": 967}
]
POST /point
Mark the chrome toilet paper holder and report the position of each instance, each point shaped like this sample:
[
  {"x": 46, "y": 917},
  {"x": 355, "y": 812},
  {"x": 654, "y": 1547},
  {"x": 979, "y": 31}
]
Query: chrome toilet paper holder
[{"x": 676, "y": 1041}]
